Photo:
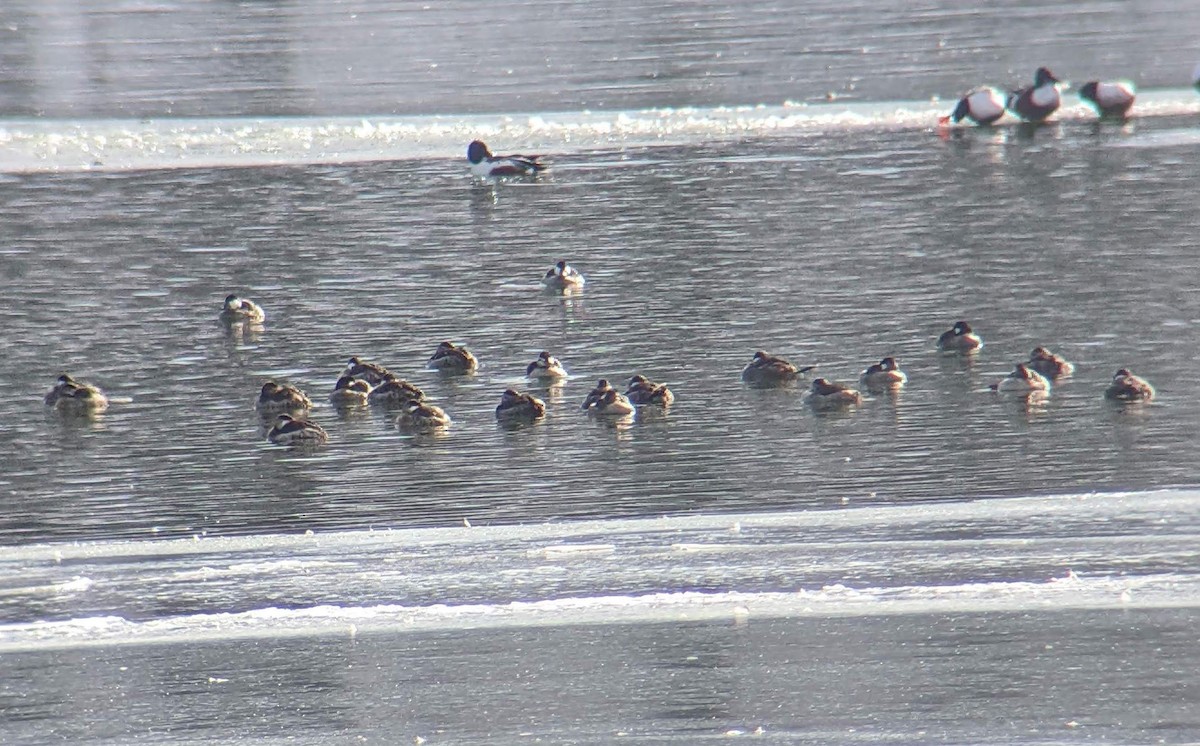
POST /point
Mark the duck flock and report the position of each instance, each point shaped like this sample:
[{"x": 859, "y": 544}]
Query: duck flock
[{"x": 363, "y": 382}]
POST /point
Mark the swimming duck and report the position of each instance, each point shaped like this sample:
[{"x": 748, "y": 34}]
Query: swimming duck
[
  {"x": 274, "y": 398},
  {"x": 563, "y": 276},
  {"x": 420, "y": 416},
  {"x": 1023, "y": 380},
  {"x": 1049, "y": 365},
  {"x": 596, "y": 394},
  {"x": 1038, "y": 101},
  {"x": 451, "y": 358},
  {"x": 982, "y": 106},
  {"x": 1109, "y": 99},
  {"x": 484, "y": 164},
  {"x": 1126, "y": 387},
  {"x": 350, "y": 390},
  {"x": 642, "y": 390},
  {"x": 71, "y": 396},
  {"x": 885, "y": 374},
  {"x": 611, "y": 402},
  {"x": 289, "y": 431},
  {"x": 517, "y": 406},
  {"x": 546, "y": 368},
  {"x": 372, "y": 373},
  {"x": 395, "y": 392},
  {"x": 239, "y": 309},
  {"x": 827, "y": 395},
  {"x": 959, "y": 339},
  {"x": 769, "y": 370}
]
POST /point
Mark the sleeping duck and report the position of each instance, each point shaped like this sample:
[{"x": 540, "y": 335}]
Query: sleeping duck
[
  {"x": 826, "y": 395},
  {"x": 960, "y": 338},
  {"x": 1023, "y": 380},
  {"x": 1126, "y": 387},
  {"x": 642, "y": 390},
  {"x": 289, "y": 431},
  {"x": 1049, "y": 365},
  {"x": 372, "y": 373},
  {"x": 395, "y": 392},
  {"x": 349, "y": 391},
  {"x": 418, "y": 416},
  {"x": 274, "y": 398},
  {"x": 611, "y": 402},
  {"x": 517, "y": 406},
  {"x": 769, "y": 370},
  {"x": 452, "y": 358}
]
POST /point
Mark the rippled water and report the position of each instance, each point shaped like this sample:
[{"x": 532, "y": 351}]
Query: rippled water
[{"x": 919, "y": 570}]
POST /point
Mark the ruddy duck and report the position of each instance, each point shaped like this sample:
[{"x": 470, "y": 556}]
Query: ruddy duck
[
  {"x": 611, "y": 403},
  {"x": 546, "y": 368},
  {"x": 451, "y": 358},
  {"x": 1023, "y": 380},
  {"x": 239, "y": 309},
  {"x": 1109, "y": 99},
  {"x": 281, "y": 397},
  {"x": 1038, "y": 101},
  {"x": 349, "y": 390},
  {"x": 484, "y": 163},
  {"x": 596, "y": 394},
  {"x": 960, "y": 339},
  {"x": 372, "y": 373},
  {"x": 1126, "y": 387},
  {"x": 71, "y": 396},
  {"x": 885, "y": 374},
  {"x": 769, "y": 370},
  {"x": 826, "y": 395},
  {"x": 419, "y": 416},
  {"x": 1049, "y": 365},
  {"x": 563, "y": 276},
  {"x": 395, "y": 392},
  {"x": 982, "y": 106},
  {"x": 517, "y": 406},
  {"x": 289, "y": 431},
  {"x": 644, "y": 391}
]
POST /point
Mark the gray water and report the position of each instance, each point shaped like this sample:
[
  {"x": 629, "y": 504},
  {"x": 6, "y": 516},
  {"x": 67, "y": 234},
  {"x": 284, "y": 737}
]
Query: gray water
[{"x": 941, "y": 565}]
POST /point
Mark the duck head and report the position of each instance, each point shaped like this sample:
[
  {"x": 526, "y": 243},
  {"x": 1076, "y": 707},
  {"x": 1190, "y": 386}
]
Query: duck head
[{"x": 477, "y": 151}]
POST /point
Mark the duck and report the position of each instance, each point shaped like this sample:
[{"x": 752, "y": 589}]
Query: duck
[
  {"x": 885, "y": 374},
  {"x": 1023, "y": 380},
  {"x": 611, "y": 402},
  {"x": 452, "y": 358},
  {"x": 239, "y": 309},
  {"x": 826, "y": 395},
  {"x": 372, "y": 373},
  {"x": 517, "y": 406},
  {"x": 642, "y": 390},
  {"x": 1038, "y": 101},
  {"x": 563, "y": 276},
  {"x": 1126, "y": 387},
  {"x": 596, "y": 394},
  {"x": 545, "y": 368},
  {"x": 350, "y": 390},
  {"x": 418, "y": 415},
  {"x": 769, "y": 370},
  {"x": 485, "y": 164},
  {"x": 395, "y": 392},
  {"x": 1109, "y": 99},
  {"x": 1050, "y": 365},
  {"x": 983, "y": 106},
  {"x": 290, "y": 431},
  {"x": 960, "y": 338},
  {"x": 72, "y": 396},
  {"x": 275, "y": 397}
]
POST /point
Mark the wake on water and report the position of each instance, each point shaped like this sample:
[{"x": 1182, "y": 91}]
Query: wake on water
[{"x": 28, "y": 146}]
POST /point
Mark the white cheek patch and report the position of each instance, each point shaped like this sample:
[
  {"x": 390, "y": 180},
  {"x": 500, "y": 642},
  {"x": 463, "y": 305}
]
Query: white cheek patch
[
  {"x": 985, "y": 104},
  {"x": 1044, "y": 96}
]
